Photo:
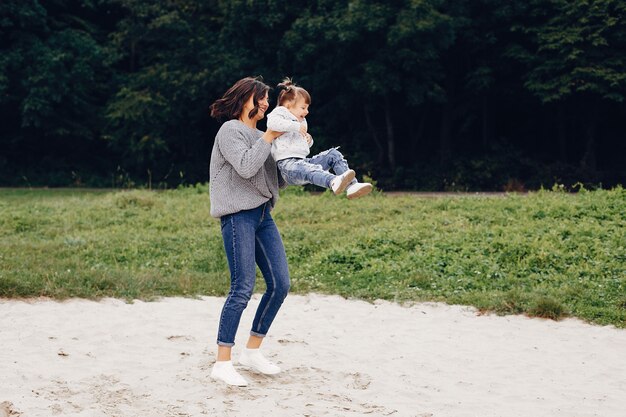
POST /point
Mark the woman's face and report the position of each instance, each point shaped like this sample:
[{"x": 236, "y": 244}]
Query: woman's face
[{"x": 263, "y": 106}]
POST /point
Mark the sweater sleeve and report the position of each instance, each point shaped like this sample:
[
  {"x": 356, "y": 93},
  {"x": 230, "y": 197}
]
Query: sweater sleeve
[
  {"x": 279, "y": 122},
  {"x": 246, "y": 160}
]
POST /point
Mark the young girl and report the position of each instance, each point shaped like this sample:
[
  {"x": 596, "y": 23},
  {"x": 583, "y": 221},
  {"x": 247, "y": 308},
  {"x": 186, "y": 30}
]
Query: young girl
[{"x": 290, "y": 150}]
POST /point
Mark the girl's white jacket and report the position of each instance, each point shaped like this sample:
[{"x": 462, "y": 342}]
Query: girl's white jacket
[{"x": 290, "y": 144}]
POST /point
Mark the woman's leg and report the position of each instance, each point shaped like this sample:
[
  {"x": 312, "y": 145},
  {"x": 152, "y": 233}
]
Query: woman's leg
[
  {"x": 271, "y": 258},
  {"x": 238, "y": 232}
]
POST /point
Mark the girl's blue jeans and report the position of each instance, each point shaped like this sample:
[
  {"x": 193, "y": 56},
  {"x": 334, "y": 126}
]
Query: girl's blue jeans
[
  {"x": 300, "y": 171},
  {"x": 251, "y": 236}
]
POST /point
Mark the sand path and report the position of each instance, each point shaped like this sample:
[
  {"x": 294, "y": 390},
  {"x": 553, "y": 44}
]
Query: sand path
[{"x": 340, "y": 358}]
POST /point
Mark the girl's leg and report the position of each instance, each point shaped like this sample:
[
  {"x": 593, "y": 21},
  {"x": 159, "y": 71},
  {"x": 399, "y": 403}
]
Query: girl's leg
[
  {"x": 300, "y": 172},
  {"x": 331, "y": 159}
]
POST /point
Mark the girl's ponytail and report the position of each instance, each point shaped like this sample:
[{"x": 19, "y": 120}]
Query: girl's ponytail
[
  {"x": 288, "y": 90},
  {"x": 286, "y": 84}
]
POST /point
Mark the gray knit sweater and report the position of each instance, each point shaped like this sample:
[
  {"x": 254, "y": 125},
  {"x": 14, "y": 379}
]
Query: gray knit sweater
[{"x": 242, "y": 174}]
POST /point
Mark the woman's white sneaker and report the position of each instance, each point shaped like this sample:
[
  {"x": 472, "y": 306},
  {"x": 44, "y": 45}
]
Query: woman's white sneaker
[
  {"x": 225, "y": 371},
  {"x": 359, "y": 189},
  {"x": 253, "y": 358},
  {"x": 340, "y": 182}
]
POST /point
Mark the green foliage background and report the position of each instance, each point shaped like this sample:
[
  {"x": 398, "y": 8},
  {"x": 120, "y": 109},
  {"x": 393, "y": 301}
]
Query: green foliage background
[{"x": 421, "y": 94}]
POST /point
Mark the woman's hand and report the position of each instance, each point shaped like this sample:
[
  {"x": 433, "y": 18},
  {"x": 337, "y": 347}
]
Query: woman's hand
[{"x": 270, "y": 135}]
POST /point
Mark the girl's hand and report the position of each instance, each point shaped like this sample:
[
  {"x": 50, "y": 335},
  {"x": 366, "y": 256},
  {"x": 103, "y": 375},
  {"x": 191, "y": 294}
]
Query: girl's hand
[
  {"x": 303, "y": 129},
  {"x": 270, "y": 135},
  {"x": 308, "y": 138}
]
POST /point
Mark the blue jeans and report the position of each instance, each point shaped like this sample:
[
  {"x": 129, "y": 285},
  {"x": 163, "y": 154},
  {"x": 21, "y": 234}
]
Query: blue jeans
[
  {"x": 251, "y": 236},
  {"x": 300, "y": 171}
]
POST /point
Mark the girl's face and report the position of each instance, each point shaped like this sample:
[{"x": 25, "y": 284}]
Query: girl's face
[
  {"x": 263, "y": 106},
  {"x": 298, "y": 107}
]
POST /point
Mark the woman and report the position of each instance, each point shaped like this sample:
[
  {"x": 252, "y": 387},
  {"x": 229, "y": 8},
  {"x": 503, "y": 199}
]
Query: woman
[{"x": 243, "y": 189}]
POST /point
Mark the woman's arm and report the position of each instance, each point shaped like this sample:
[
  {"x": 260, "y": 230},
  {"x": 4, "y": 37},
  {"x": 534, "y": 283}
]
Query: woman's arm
[
  {"x": 280, "y": 122},
  {"x": 246, "y": 160}
]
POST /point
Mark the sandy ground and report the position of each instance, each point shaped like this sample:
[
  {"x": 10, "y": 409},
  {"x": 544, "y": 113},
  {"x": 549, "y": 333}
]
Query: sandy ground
[{"x": 340, "y": 358}]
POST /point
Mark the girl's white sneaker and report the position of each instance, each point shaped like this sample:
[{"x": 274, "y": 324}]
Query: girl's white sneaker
[
  {"x": 225, "y": 371},
  {"x": 359, "y": 189},
  {"x": 253, "y": 358},
  {"x": 340, "y": 182}
]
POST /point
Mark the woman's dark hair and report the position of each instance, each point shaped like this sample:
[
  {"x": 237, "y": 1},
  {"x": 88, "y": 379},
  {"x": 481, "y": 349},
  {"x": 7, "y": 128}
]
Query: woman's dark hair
[
  {"x": 231, "y": 104},
  {"x": 289, "y": 91}
]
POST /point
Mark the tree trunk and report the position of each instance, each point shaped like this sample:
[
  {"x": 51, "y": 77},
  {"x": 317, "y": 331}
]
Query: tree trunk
[
  {"x": 417, "y": 134},
  {"x": 447, "y": 118},
  {"x": 445, "y": 148},
  {"x": 372, "y": 130},
  {"x": 133, "y": 54},
  {"x": 487, "y": 121},
  {"x": 588, "y": 161},
  {"x": 562, "y": 132},
  {"x": 391, "y": 145}
]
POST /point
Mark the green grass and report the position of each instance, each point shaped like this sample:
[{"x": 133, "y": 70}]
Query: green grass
[{"x": 547, "y": 254}]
